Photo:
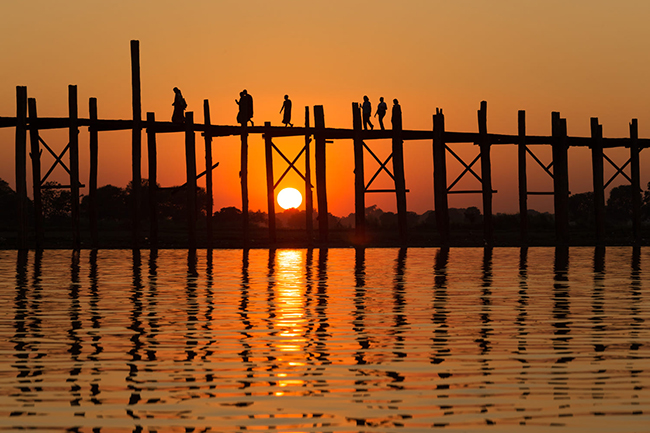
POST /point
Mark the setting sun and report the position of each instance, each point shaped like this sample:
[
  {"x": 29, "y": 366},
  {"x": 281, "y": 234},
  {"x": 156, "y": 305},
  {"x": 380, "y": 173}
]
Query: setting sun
[{"x": 289, "y": 198}]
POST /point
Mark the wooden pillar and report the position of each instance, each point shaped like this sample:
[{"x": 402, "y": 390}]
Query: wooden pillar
[
  {"x": 136, "y": 143},
  {"x": 152, "y": 163},
  {"x": 190, "y": 169},
  {"x": 598, "y": 180},
  {"x": 309, "y": 198},
  {"x": 74, "y": 163},
  {"x": 523, "y": 178},
  {"x": 359, "y": 178},
  {"x": 560, "y": 179},
  {"x": 441, "y": 206},
  {"x": 321, "y": 184},
  {"x": 270, "y": 189},
  {"x": 486, "y": 175},
  {"x": 93, "y": 142},
  {"x": 21, "y": 165},
  {"x": 35, "y": 153},
  {"x": 400, "y": 178},
  {"x": 208, "y": 173},
  {"x": 243, "y": 174},
  {"x": 636, "y": 181}
]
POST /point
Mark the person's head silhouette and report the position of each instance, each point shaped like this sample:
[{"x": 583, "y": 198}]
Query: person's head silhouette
[
  {"x": 395, "y": 102},
  {"x": 365, "y": 98},
  {"x": 381, "y": 99}
]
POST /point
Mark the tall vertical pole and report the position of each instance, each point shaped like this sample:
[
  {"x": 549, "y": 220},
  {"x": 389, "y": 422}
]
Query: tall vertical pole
[
  {"x": 74, "y": 163},
  {"x": 636, "y": 181},
  {"x": 21, "y": 165},
  {"x": 309, "y": 198},
  {"x": 321, "y": 184},
  {"x": 136, "y": 142},
  {"x": 152, "y": 163},
  {"x": 243, "y": 173},
  {"x": 441, "y": 205},
  {"x": 270, "y": 189},
  {"x": 398, "y": 173},
  {"x": 598, "y": 180},
  {"x": 560, "y": 179},
  {"x": 35, "y": 153},
  {"x": 208, "y": 173},
  {"x": 93, "y": 144},
  {"x": 359, "y": 178},
  {"x": 486, "y": 175},
  {"x": 523, "y": 178},
  {"x": 190, "y": 165}
]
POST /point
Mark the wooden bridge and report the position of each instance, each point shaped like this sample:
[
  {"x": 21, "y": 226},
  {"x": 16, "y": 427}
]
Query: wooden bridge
[{"x": 27, "y": 120}]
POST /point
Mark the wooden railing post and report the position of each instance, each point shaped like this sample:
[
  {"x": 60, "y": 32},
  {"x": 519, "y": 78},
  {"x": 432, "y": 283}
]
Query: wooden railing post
[
  {"x": 270, "y": 189},
  {"x": 636, "y": 181},
  {"x": 560, "y": 179},
  {"x": 74, "y": 163},
  {"x": 93, "y": 144},
  {"x": 208, "y": 174},
  {"x": 359, "y": 178},
  {"x": 441, "y": 206},
  {"x": 400, "y": 178},
  {"x": 243, "y": 173},
  {"x": 523, "y": 178},
  {"x": 152, "y": 157},
  {"x": 309, "y": 197},
  {"x": 486, "y": 175},
  {"x": 598, "y": 180},
  {"x": 190, "y": 164},
  {"x": 35, "y": 153},
  {"x": 21, "y": 165},
  {"x": 136, "y": 143},
  {"x": 321, "y": 183}
]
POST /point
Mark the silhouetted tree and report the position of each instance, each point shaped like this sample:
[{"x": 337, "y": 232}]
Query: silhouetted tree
[
  {"x": 619, "y": 203},
  {"x": 111, "y": 203},
  {"x": 473, "y": 214},
  {"x": 56, "y": 202},
  {"x": 8, "y": 203},
  {"x": 581, "y": 208}
]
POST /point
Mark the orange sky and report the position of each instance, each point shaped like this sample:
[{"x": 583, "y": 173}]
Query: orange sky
[{"x": 581, "y": 58}]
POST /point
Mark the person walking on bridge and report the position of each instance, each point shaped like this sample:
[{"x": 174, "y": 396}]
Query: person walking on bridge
[{"x": 367, "y": 112}]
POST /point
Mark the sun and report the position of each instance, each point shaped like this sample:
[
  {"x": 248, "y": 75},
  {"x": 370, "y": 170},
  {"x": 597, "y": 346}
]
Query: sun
[{"x": 289, "y": 198}]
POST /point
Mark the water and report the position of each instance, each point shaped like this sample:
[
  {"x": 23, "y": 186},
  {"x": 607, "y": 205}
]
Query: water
[{"x": 339, "y": 340}]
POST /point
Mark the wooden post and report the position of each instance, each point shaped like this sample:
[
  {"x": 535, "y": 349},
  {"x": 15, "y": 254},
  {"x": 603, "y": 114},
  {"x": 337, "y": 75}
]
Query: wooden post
[
  {"x": 560, "y": 179},
  {"x": 190, "y": 169},
  {"x": 74, "y": 163},
  {"x": 441, "y": 206},
  {"x": 136, "y": 142},
  {"x": 93, "y": 142},
  {"x": 270, "y": 189},
  {"x": 523, "y": 178},
  {"x": 21, "y": 165},
  {"x": 35, "y": 153},
  {"x": 400, "y": 179},
  {"x": 598, "y": 180},
  {"x": 243, "y": 174},
  {"x": 208, "y": 173},
  {"x": 636, "y": 181},
  {"x": 152, "y": 158},
  {"x": 359, "y": 178},
  {"x": 309, "y": 198},
  {"x": 321, "y": 184},
  {"x": 486, "y": 175}
]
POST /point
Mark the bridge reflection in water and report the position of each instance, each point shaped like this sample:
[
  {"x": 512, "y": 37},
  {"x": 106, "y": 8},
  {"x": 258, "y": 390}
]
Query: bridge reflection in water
[{"x": 317, "y": 339}]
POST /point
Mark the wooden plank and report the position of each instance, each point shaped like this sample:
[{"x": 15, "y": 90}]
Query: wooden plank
[
  {"x": 190, "y": 170},
  {"x": 359, "y": 178},
  {"x": 321, "y": 178},
  {"x": 598, "y": 180},
  {"x": 270, "y": 189},
  {"x": 35, "y": 153},
  {"x": 73, "y": 134},
  {"x": 93, "y": 144},
  {"x": 441, "y": 206},
  {"x": 152, "y": 163},
  {"x": 523, "y": 178},
  {"x": 209, "y": 205},
  {"x": 486, "y": 176}
]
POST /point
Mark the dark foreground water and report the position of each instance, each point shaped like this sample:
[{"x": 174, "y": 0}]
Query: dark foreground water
[{"x": 339, "y": 340}]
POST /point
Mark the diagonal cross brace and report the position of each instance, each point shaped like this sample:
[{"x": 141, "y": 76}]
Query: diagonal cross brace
[
  {"x": 57, "y": 161},
  {"x": 382, "y": 166},
  {"x": 540, "y": 163},
  {"x": 468, "y": 168},
  {"x": 291, "y": 165},
  {"x": 619, "y": 170}
]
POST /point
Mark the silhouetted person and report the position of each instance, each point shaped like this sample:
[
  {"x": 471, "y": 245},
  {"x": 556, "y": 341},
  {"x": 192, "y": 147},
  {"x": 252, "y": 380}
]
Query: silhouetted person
[
  {"x": 245, "y": 103},
  {"x": 396, "y": 118},
  {"x": 381, "y": 111},
  {"x": 286, "y": 106},
  {"x": 179, "y": 107},
  {"x": 366, "y": 110}
]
